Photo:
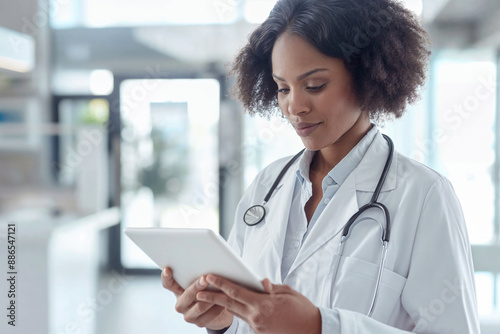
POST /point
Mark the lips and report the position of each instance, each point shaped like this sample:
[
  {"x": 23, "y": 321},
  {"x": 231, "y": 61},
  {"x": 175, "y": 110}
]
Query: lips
[{"x": 305, "y": 129}]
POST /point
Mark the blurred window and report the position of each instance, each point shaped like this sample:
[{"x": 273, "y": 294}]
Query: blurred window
[
  {"x": 464, "y": 91},
  {"x": 113, "y": 13},
  {"x": 169, "y": 157},
  {"x": 265, "y": 141},
  {"x": 84, "y": 123},
  {"x": 464, "y": 134}
]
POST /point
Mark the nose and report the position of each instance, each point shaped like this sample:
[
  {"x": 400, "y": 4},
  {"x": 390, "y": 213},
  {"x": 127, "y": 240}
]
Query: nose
[{"x": 298, "y": 103}]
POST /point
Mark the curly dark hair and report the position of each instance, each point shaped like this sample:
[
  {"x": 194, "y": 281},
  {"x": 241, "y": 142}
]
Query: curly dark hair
[{"x": 382, "y": 43}]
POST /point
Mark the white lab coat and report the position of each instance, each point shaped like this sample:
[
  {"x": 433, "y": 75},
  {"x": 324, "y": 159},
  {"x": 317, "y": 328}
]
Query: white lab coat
[{"x": 427, "y": 284}]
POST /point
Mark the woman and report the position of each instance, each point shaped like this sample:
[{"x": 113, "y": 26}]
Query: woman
[{"x": 332, "y": 66}]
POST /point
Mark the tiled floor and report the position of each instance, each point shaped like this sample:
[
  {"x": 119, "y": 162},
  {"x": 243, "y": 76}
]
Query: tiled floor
[{"x": 138, "y": 304}]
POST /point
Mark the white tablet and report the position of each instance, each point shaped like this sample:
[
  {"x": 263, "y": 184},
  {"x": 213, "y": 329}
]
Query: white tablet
[{"x": 192, "y": 253}]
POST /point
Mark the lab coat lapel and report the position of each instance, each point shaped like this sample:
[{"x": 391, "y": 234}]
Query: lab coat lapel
[
  {"x": 278, "y": 210},
  {"x": 371, "y": 167},
  {"x": 344, "y": 204}
]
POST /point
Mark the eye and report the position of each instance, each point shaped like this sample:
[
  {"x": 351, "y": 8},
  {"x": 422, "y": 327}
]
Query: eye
[
  {"x": 315, "y": 88},
  {"x": 283, "y": 90}
]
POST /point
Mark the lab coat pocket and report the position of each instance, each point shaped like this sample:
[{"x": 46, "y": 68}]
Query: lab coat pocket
[{"x": 355, "y": 287}]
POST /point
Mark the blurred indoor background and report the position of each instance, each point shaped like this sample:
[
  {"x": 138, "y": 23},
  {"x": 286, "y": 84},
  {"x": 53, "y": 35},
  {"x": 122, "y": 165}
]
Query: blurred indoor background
[{"x": 116, "y": 113}]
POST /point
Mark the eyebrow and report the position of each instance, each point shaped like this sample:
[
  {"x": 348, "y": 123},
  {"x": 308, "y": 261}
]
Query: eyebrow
[{"x": 303, "y": 76}]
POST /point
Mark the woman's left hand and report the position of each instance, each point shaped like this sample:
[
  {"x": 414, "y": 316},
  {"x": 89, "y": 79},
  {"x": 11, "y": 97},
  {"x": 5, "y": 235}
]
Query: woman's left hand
[{"x": 281, "y": 310}]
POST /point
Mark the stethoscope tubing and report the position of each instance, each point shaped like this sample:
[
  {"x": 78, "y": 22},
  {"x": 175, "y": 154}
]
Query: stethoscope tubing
[
  {"x": 385, "y": 232},
  {"x": 280, "y": 176},
  {"x": 256, "y": 213}
]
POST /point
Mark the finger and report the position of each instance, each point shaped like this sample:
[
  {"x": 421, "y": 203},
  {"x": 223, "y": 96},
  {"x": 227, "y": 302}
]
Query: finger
[
  {"x": 239, "y": 315},
  {"x": 221, "y": 299},
  {"x": 188, "y": 298},
  {"x": 282, "y": 289},
  {"x": 233, "y": 291},
  {"x": 168, "y": 282},
  {"x": 211, "y": 316},
  {"x": 198, "y": 310},
  {"x": 268, "y": 286}
]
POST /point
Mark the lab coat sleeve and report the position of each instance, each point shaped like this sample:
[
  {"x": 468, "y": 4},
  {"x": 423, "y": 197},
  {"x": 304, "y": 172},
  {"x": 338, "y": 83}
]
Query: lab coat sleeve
[
  {"x": 230, "y": 330},
  {"x": 236, "y": 237},
  {"x": 439, "y": 294}
]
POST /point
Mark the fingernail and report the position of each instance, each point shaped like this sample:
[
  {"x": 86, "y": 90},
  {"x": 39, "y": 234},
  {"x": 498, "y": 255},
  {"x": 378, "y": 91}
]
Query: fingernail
[
  {"x": 165, "y": 272},
  {"x": 210, "y": 279}
]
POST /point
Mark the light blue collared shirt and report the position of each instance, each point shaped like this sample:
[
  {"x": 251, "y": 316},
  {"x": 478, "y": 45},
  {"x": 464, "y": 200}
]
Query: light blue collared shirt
[{"x": 297, "y": 229}]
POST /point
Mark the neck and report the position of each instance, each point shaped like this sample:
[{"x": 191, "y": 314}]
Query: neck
[{"x": 328, "y": 157}]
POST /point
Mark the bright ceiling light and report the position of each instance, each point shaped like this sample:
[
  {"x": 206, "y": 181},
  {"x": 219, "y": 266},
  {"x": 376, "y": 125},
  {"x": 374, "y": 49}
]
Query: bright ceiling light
[
  {"x": 414, "y": 5},
  {"x": 101, "y": 82},
  {"x": 257, "y": 11}
]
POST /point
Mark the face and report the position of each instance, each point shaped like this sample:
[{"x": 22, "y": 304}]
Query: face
[{"x": 314, "y": 92}]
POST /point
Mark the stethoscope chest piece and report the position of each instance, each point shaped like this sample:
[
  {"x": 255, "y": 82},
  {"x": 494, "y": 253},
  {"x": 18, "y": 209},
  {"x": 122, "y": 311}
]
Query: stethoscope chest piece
[{"x": 254, "y": 215}]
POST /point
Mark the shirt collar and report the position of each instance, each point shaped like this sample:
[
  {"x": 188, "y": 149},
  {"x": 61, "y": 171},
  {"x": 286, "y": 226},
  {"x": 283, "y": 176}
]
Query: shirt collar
[
  {"x": 342, "y": 170},
  {"x": 304, "y": 164}
]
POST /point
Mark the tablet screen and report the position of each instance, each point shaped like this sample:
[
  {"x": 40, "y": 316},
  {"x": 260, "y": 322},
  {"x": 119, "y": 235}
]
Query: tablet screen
[{"x": 192, "y": 253}]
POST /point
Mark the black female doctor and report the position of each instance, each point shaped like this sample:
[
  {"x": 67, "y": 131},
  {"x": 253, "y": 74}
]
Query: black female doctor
[{"x": 332, "y": 67}]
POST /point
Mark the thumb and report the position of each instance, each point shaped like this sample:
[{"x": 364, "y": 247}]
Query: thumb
[
  {"x": 268, "y": 286},
  {"x": 278, "y": 288}
]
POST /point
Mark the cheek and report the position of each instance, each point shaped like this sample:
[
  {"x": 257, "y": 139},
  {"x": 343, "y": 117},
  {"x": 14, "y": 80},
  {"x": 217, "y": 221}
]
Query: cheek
[
  {"x": 339, "y": 101},
  {"x": 283, "y": 105},
  {"x": 350, "y": 97}
]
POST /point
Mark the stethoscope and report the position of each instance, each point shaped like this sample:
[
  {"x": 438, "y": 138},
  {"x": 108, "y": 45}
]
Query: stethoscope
[{"x": 255, "y": 214}]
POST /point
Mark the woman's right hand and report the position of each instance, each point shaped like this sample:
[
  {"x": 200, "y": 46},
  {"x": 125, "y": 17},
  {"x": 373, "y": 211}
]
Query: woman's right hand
[{"x": 201, "y": 314}]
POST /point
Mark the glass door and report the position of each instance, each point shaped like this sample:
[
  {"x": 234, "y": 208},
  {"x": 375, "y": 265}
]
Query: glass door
[{"x": 169, "y": 157}]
